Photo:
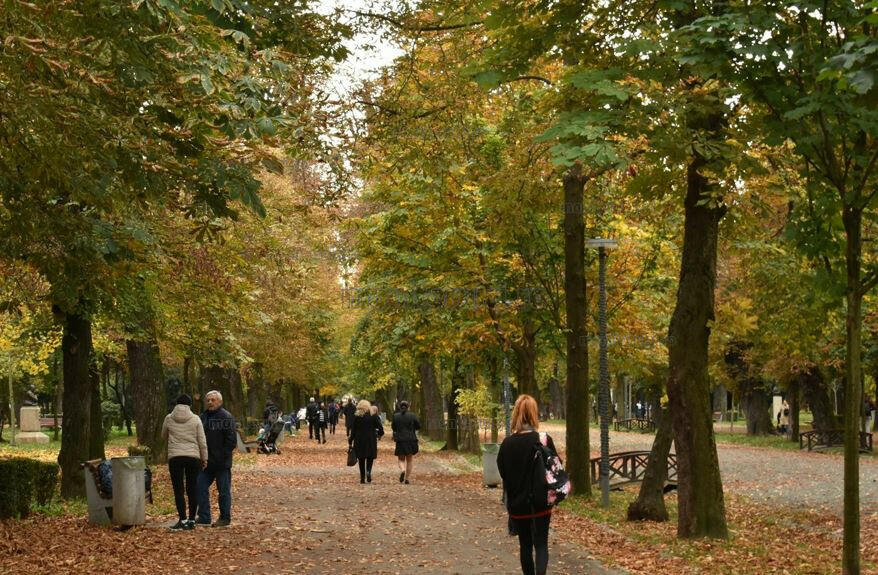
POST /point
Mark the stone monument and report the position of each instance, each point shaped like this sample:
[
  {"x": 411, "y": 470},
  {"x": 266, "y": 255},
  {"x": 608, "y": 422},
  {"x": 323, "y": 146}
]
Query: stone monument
[{"x": 29, "y": 423}]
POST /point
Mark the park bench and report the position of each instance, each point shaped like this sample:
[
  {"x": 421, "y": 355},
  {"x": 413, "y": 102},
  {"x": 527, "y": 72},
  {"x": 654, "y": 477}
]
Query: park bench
[
  {"x": 630, "y": 466},
  {"x": 245, "y": 446},
  {"x": 50, "y": 422},
  {"x": 635, "y": 424},
  {"x": 831, "y": 438}
]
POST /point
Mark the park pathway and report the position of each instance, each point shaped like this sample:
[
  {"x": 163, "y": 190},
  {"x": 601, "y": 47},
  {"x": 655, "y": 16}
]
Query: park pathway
[
  {"x": 443, "y": 522},
  {"x": 797, "y": 479}
]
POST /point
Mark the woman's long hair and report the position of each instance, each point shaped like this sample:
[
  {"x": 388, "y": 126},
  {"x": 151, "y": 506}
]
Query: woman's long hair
[
  {"x": 363, "y": 407},
  {"x": 525, "y": 413}
]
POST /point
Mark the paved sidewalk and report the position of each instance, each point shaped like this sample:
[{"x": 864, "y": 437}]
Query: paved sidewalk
[{"x": 801, "y": 479}]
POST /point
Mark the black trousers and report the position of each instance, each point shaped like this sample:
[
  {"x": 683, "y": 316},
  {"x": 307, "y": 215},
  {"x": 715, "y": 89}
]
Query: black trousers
[
  {"x": 365, "y": 467},
  {"x": 312, "y": 428},
  {"x": 533, "y": 539},
  {"x": 185, "y": 469},
  {"x": 321, "y": 428}
]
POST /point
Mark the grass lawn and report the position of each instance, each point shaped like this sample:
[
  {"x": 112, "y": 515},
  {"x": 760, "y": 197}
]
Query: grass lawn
[{"x": 761, "y": 539}]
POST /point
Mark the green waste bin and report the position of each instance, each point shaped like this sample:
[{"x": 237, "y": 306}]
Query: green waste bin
[
  {"x": 490, "y": 471},
  {"x": 129, "y": 490}
]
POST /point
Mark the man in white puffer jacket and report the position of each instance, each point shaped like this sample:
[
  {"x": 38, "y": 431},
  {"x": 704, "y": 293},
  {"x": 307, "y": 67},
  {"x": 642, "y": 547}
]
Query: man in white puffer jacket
[{"x": 187, "y": 455}]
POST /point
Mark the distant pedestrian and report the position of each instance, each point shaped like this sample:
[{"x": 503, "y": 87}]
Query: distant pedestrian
[
  {"x": 348, "y": 412},
  {"x": 365, "y": 428},
  {"x": 784, "y": 418},
  {"x": 311, "y": 414},
  {"x": 219, "y": 430},
  {"x": 322, "y": 422},
  {"x": 405, "y": 426},
  {"x": 269, "y": 415},
  {"x": 187, "y": 455},
  {"x": 528, "y": 519},
  {"x": 333, "y": 417}
]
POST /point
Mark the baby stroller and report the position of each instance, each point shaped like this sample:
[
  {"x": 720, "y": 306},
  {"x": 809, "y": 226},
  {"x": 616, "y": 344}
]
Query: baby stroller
[{"x": 266, "y": 440}]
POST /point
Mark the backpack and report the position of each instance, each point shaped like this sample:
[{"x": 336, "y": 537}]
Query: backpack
[{"x": 550, "y": 483}]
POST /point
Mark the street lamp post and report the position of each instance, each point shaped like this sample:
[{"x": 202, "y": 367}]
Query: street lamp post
[
  {"x": 604, "y": 381},
  {"x": 506, "y": 394}
]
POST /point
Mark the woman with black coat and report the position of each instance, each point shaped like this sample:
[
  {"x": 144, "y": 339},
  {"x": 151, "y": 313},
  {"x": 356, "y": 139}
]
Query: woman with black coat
[
  {"x": 530, "y": 520},
  {"x": 365, "y": 431},
  {"x": 405, "y": 426}
]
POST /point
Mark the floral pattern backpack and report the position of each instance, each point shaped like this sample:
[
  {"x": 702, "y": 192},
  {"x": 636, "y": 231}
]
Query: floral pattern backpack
[{"x": 550, "y": 482}]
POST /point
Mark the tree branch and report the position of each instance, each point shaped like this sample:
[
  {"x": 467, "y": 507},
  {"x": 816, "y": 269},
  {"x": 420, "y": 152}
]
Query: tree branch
[{"x": 403, "y": 26}]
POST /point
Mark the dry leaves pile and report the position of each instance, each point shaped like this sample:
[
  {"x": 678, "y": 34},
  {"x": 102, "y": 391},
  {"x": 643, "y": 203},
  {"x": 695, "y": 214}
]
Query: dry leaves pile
[{"x": 304, "y": 511}]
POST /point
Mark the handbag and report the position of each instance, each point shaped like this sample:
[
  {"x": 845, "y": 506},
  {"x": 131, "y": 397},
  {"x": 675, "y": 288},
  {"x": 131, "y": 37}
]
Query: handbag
[{"x": 352, "y": 457}]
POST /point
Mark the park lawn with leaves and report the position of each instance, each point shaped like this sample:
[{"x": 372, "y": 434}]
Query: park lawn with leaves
[{"x": 762, "y": 539}]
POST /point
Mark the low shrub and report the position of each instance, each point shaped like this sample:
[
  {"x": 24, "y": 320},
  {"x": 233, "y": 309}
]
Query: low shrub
[{"x": 24, "y": 482}]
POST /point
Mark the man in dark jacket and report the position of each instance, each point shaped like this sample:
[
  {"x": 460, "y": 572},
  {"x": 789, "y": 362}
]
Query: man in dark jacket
[
  {"x": 219, "y": 430},
  {"x": 349, "y": 410},
  {"x": 312, "y": 416}
]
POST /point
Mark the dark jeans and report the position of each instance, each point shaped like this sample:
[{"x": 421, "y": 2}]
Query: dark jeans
[
  {"x": 321, "y": 429},
  {"x": 185, "y": 468},
  {"x": 347, "y": 429},
  {"x": 332, "y": 425},
  {"x": 313, "y": 430},
  {"x": 223, "y": 478},
  {"x": 365, "y": 466},
  {"x": 533, "y": 535}
]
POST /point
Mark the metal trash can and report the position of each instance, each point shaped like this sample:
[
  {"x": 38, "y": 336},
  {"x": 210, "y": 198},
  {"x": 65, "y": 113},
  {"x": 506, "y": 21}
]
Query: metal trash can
[
  {"x": 490, "y": 471},
  {"x": 99, "y": 509},
  {"x": 129, "y": 490}
]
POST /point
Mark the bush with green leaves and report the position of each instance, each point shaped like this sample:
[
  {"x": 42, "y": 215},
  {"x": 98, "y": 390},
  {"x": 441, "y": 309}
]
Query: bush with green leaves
[
  {"x": 25, "y": 482},
  {"x": 111, "y": 414}
]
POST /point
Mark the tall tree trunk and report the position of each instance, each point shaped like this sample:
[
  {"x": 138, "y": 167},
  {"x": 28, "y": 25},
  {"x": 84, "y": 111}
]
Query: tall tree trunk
[
  {"x": 526, "y": 356},
  {"x": 257, "y": 391},
  {"x": 578, "y": 448},
  {"x": 96, "y": 426},
  {"x": 701, "y": 510},
  {"x": 852, "y": 218},
  {"x": 756, "y": 405},
  {"x": 76, "y": 346},
  {"x": 469, "y": 424},
  {"x": 234, "y": 402},
  {"x": 187, "y": 379},
  {"x": 451, "y": 435},
  {"x": 148, "y": 391},
  {"x": 556, "y": 391},
  {"x": 755, "y": 399},
  {"x": 817, "y": 394},
  {"x": 433, "y": 416},
  {"x": 650, "y": 502},
  {"x": 56, "y": 397},
  {"x": 793, "y": 394}
]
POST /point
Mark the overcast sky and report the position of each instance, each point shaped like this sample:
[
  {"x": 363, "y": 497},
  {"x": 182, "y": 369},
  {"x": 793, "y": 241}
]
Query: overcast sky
[{"x": 368, "y": 53}]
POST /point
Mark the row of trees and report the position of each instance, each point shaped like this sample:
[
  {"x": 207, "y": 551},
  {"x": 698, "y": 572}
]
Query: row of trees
[
  {"x": 162, "y": 166},
  {"x": 510, "y": 131}
]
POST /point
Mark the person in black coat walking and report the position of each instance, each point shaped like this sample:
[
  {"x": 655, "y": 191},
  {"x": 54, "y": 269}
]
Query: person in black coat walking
[
  {"x": 365, "y": 430},
  {"x": 219, "y": 430},
  {"x": 312, "y": 417},
  {"x": 514, "y": 460},
  {"x": 405, "y": 426},
  {"x": 333, "y": 416},
  {"x": 348, "y": 411}
]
